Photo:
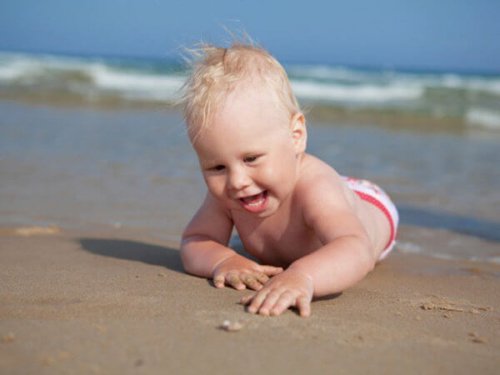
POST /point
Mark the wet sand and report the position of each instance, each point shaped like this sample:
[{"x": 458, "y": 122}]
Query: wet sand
[{"x": 116, "y": 302}]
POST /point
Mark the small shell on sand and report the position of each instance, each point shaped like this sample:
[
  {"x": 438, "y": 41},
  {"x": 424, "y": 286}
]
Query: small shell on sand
[{"x": 229, "y": 326}]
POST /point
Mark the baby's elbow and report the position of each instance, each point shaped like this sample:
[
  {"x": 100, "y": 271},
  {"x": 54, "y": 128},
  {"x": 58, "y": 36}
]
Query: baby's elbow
[
  {"x": 188, "y": 267},
  {"x": 368, "y": 258},
  {"x": 185, "y": 260},
  {"x": 370, "y": 264},
  {"x": 189, "y": 264},
  {"x": 186, "y": 253}
]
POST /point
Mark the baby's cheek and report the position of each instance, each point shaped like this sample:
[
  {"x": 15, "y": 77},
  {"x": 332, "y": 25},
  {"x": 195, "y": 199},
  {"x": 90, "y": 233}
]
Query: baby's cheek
[
  {"x": 215, "y": 186},
  {"x": 270, "y": 175},
  {"x": 284, "y": 171}
]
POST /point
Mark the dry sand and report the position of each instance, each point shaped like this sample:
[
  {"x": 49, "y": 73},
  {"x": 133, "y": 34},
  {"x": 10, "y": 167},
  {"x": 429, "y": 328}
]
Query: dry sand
[{"x": 119, "y": 303}]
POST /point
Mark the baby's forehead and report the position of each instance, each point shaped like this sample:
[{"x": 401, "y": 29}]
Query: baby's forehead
[
  {"x": 250, "y": 97},
  {"x": 244, "y": 114},
  {"x": 253, "y": 101},
  {"x": 255, "y": 93}
]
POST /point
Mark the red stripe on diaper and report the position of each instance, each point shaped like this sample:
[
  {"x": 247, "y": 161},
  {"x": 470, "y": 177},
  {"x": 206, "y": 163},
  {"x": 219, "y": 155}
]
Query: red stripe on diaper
[{"x": 380, "y": 205}]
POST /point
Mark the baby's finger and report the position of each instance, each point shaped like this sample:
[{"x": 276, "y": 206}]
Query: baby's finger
[
  {"x": 219, "y": 281},
  {"x": 269, "y": 302},
  {"x": 251, "y": 282},
  {"x": 235, "y": 281},
  {"x": 257, "y": 301},
  {"x": 247, "y": 299},
  {"x": 271, "y": 271},
  {"x": 283, "y": 303},
  {"x": 262, "y": 278},
  {"x": 304, "y": 306}
]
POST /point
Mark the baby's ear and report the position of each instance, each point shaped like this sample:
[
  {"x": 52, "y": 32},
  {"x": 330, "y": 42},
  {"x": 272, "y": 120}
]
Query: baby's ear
[{"x": 299, "y": 132}]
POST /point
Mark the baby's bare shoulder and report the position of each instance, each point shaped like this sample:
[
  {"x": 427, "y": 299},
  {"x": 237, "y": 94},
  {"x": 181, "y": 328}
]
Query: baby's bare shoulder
[
  {"x": 321, "y": 187},
  {"x": 327, "y": 204},
  {"x": 315, "y": 175}
]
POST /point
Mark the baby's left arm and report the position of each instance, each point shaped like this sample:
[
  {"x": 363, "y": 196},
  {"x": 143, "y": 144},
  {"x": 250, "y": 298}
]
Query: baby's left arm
[
  {"x": 331, "y": 269},
  {"x": 344, "y": 259}
]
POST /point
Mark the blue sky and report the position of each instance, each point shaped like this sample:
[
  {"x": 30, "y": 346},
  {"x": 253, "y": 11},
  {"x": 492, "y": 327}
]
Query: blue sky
[{"x": 437, "y": 34}]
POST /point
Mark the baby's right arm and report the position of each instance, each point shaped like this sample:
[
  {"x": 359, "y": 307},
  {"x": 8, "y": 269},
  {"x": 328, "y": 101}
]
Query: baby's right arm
[{"x": 204, "y": 252}]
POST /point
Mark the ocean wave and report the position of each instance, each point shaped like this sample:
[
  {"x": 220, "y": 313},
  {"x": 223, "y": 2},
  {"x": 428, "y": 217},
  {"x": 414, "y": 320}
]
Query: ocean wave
[
  {"x": 14, "y": 67},
  {"x": 330, "y": 73},
  {"x": 322, "y": 73},
  {"x": 474, "y": 99},
  {"x": 355, "y": 94},
  {"x": 87, "y": 77},
  {"x": 138, "y": 85},
  {"x": 485, "y": 118}
]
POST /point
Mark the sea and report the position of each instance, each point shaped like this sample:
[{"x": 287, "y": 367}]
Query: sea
[
  {"x": 95, "y": 142},
  {"x": 470, "y": 98}
]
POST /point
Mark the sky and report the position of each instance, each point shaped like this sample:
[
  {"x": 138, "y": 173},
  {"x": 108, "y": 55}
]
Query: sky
[{"x": 426, "y": 34}]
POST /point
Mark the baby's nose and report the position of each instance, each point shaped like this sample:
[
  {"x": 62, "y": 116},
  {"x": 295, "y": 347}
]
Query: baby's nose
[{"x": 238, "y": 179}]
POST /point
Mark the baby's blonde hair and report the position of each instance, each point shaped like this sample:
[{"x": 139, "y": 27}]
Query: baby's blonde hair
[{"x": 217, "y": 71}]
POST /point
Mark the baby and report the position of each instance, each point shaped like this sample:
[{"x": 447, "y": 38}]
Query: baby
[{"x": 313, "y": 232}]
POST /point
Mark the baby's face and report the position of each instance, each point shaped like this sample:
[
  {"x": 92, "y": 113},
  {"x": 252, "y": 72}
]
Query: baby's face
[{"x": 248, "y": 155}]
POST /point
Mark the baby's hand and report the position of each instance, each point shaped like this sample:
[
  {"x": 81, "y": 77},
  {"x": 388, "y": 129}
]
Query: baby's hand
[
  {"x": 290, "y": 288},
  {"x": 240, "y": 273}
]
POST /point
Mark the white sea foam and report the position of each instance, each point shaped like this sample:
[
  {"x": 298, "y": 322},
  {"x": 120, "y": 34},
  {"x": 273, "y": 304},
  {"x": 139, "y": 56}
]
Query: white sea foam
[
  {"x": 335, "y": 73},
  {"x": 472, "y": 83},
  {"x": 15, "y": 67},
  {"x": 138, "y": 85},
  {"x": 132, "y": 84},
  {"x": 413, "y": 248},
  {"x": 408, "y": 247},
  {"x": 19, "y": 66},
  {"x": 430, "y": 93},
  {"x": 484, "y": 117},
  {"x": 388, "y": 77},
  {"x": 355, "y": 94}
]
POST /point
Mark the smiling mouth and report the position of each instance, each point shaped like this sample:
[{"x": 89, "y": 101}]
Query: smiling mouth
[{"x": 255, "y": 203}]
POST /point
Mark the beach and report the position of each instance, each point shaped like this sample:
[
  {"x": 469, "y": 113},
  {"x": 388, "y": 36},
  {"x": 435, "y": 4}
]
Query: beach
[
  {"x": 109, "y": 302},
  {"x": 93, "y": 200}
]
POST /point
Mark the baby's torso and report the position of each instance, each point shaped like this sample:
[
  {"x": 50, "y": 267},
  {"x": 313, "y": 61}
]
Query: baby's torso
[
  {"x": 286, "y": 236},
  {"x": 278, "y": 240}
]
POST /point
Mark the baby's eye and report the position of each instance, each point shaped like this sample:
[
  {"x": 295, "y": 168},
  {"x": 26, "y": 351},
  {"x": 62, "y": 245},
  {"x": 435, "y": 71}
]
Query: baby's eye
[
  {"x": 218, "y": 168},
  {"x": 250, "y": 159}
]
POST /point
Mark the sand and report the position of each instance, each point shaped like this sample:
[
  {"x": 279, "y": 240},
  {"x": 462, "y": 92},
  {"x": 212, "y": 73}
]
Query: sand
[{"x": 117, "y": 302}]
